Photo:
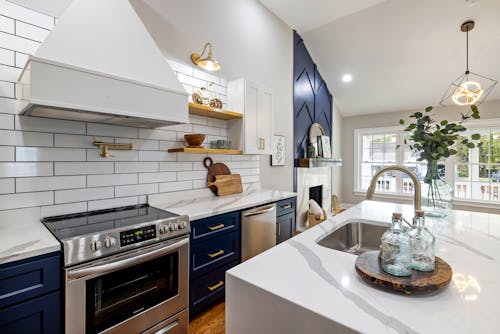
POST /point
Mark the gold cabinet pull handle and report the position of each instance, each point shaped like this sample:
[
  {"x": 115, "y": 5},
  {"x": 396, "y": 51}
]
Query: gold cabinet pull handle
[
  {"x": 216, "y": 227},
  {"x": 216, "y": 286},
  {"x": 279, "y": 230},
  {"x": 287, "y": 206},
  {"x": 216, "y": 254}
]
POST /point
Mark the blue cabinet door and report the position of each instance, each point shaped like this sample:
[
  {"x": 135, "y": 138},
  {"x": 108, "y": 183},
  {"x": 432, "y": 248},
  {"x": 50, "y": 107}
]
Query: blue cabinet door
[
  {"x": 40, "y": 315},
  {"x": 285, "y": 226},
  {"x": 207, "y": 228}
]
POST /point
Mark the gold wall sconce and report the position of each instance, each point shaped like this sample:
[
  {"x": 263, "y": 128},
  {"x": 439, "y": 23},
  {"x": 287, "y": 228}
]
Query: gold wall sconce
[
  {"x": 105, "y": 147},
  {"x": 206, "y": 62}
]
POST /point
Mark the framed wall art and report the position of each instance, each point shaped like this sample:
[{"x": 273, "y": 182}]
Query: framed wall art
[{"x": 278, "y": 156}]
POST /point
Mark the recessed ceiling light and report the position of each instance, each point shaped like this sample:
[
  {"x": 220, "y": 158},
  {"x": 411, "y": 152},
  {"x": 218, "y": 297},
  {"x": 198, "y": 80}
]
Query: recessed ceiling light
[{"x": 347, "y": 78}]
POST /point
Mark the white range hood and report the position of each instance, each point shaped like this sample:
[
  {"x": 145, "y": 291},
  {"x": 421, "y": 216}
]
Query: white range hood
[{"x": 100, "y": 64}]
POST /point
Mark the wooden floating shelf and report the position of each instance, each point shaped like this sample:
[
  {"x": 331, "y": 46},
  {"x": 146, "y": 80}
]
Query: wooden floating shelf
[
  {"x": 203, "y": 150},
  {"x": 202, "y": 110}
]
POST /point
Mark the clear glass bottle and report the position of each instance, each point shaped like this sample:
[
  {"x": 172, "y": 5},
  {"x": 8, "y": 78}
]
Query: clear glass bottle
[
  {"x": 396, "y": 249},
  {"x": 422, "y": 244}
]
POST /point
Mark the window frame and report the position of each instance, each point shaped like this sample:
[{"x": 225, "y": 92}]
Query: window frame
[{"x": 450, "y": 163}]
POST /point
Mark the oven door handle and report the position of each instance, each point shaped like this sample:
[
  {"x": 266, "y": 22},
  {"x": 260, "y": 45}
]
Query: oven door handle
[{"x": 125, "y": 263}]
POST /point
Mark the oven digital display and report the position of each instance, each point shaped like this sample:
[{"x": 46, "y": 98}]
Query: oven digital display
[{"x": 137, "y": 235}]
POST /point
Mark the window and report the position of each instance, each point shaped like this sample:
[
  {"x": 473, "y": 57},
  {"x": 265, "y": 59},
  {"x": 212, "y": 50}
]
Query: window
[{"x": 474, "y": 173}]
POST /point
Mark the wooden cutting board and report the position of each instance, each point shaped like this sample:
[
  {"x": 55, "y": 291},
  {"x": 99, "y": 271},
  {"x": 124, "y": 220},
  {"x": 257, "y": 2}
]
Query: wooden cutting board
[
  {"x": 226, "y": 184},
  {"x": 213, "y": 170}
]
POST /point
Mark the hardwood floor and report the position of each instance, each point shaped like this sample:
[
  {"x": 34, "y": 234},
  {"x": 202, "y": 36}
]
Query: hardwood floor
[{"x": 212, "y": 321}]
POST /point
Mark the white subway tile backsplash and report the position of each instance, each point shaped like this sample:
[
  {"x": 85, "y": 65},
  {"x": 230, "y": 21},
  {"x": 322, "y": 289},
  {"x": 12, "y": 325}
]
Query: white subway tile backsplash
[
  {"x": 7, "y": 186},
  {"x": 138, "y": 189},
  {"x": 7, "y": 57},
  {"x": 77, "y": 141},
  {"x": 157, "y": 134},
  {"x": 96, "y": 129},
  {"x": 111, "y": 180},
  {"x": 79, "y": 168},
  {"x": 16, "y": 43},
  {"x": 116, "y": 155},
  {"x": 21, "y": 59},
  {"x": 7, "y": 153},
  {"x": 20, "y": 138},
  {"x": 49, "y": 154},
  {"x": 191, "y": 175},
  {"x": 23, "y": 169},
  {"x": 10, "y": 73},
  {"x": 156, "y": 156},
  {"x": 26, "y": 200},
  {"x": 62, "y": 171},
  {"x": 112, "y": 203},
  {"x": 87, "y": 194},
  {"x": 139, "y": 144},
  {"x": 63, "y": 209},
  {"x": 6, "y": 121},
  {"x": 30, "y": 31},
  {"x": 28, "y": 184},
  {"x": 6, "y": 24},
  {"x": 175, "y": 186},
  {"x": 135, "y": 167},
  {"x": 250, "y": 179},
  {"x": 175, "y": 166},
  {"x": 7, "y": 89},
  {"x": 49, "y": 125},
  {"x": 157, "y": 177}
]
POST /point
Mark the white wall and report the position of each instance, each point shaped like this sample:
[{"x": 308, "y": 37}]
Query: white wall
[
  {"x": 52, "y": 165},
  {"x": 248, "y": 41},
  {"x": 488, "y": 110}
]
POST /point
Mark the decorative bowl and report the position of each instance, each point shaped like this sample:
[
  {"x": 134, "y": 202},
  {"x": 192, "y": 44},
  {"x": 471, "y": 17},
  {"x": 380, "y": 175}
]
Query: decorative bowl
[{"x": 194, "y": 139}]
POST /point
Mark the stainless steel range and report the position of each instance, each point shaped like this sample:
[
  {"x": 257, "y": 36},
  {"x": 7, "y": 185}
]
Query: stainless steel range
[{"x": 126, "y": 270}]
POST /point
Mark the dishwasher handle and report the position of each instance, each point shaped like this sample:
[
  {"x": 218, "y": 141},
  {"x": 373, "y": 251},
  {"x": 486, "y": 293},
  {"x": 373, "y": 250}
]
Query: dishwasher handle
[{"x": 254, "y": 213}]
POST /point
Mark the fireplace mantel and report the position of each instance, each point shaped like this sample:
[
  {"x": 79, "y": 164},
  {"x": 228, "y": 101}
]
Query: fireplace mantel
[{"x": 318, "y": 162}]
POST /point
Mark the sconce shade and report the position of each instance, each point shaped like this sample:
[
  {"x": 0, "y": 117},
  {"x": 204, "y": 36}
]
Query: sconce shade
[{"x": 207, "y": 62}]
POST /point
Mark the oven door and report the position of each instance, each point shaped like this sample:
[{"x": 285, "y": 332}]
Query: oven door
[{"x": 129, "y": 292}]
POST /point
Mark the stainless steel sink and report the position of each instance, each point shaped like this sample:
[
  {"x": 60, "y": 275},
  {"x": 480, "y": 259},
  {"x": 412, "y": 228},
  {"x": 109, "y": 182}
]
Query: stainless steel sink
[{"x": 354, "y": 238}]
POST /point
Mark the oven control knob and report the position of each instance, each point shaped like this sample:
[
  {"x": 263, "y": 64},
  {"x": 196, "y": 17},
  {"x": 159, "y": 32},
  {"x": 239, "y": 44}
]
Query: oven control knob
[
  {"x": 183, "y": 225},
  {"x": 95, "y": 245},
  {"x": 173, "y": 227},
  {"x": 109, "y": 242},
  {"x": 163, "y": 229}
]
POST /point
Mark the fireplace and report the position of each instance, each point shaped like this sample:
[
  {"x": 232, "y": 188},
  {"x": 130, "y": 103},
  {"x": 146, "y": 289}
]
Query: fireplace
[
  {"x": 312, "y": 183},
  {"x": 316, "y": 193}
]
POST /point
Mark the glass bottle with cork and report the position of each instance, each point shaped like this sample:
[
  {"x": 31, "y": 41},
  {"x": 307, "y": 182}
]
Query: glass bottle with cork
[
  {"x": 396, "y": 249},
  {"x": 422, "y": 244}
]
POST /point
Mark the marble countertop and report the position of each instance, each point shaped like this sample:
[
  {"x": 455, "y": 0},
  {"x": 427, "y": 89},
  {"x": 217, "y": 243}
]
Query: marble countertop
[
  {"x": 206, "y": 206},
  {"x": 322, "y": 282},
  {"x": 22, "y": 235}
]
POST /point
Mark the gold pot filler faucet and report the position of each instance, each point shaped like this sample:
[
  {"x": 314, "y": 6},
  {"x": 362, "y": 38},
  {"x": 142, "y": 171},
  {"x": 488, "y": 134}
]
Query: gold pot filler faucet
[{"x": 106, "y": 146}]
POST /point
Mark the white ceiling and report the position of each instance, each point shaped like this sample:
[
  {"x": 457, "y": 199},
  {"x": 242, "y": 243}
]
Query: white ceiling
[
  {"x": 402, "y": 54},
  {"x": 304, "y": 15}
]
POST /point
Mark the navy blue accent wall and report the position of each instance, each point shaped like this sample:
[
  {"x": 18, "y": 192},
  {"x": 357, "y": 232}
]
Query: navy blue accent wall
[{"x": 312, "y": 101}]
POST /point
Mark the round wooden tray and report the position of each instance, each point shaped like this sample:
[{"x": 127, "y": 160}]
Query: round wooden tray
[{"x": 369, "y": 268}]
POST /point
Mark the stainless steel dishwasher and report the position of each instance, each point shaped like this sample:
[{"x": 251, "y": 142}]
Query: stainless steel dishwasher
[{"x": 258, "y": 231}]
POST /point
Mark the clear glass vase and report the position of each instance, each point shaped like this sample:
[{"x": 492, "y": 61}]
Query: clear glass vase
[{"x": 437, "y": 194}]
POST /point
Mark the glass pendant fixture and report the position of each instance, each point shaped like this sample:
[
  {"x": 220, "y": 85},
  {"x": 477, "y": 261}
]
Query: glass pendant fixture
[{"x": 469, "y": 88}]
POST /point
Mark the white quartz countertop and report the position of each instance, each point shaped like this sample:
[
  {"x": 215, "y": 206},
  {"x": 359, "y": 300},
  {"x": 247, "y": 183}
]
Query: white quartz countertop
[
  {"x": 207, "y": 206},
  {"x": 22, "y": 235},
  {"x": 322, "y": 282}
]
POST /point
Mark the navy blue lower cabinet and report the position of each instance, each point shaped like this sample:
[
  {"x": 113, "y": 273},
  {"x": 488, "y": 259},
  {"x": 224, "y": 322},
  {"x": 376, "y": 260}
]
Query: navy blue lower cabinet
[
  {"x": 208, "y": 289},
  {"x": 285, "y": 226},
  {"x": 30, "y": 298},
  {"x": 36, "y": 316}
]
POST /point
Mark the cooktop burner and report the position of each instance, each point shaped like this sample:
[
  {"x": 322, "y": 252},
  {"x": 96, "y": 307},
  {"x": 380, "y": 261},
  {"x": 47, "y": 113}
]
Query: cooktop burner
[
  {"x": 74, "y": 225},
  {"x": 94, "y": 234}
]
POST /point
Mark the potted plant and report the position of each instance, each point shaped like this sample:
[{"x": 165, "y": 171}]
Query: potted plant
[{"x": 433, "y": 141}]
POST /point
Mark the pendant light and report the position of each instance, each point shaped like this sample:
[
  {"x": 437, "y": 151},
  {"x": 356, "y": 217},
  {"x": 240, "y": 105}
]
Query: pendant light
[
  {"x": 208, "y": 62},
  {"x": 469, "y": 88}
]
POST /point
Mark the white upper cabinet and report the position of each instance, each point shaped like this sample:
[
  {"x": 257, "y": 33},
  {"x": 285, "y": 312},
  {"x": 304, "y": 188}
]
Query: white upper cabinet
[{"x": 254, "y": 133}]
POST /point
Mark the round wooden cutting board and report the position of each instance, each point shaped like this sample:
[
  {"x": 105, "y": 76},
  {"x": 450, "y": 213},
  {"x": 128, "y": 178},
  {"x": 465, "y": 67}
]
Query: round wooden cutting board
[{"x": 420, "y": 282}]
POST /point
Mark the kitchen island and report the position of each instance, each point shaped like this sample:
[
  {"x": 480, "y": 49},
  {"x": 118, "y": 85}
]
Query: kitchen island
[{"x": 302, "y": 287}]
